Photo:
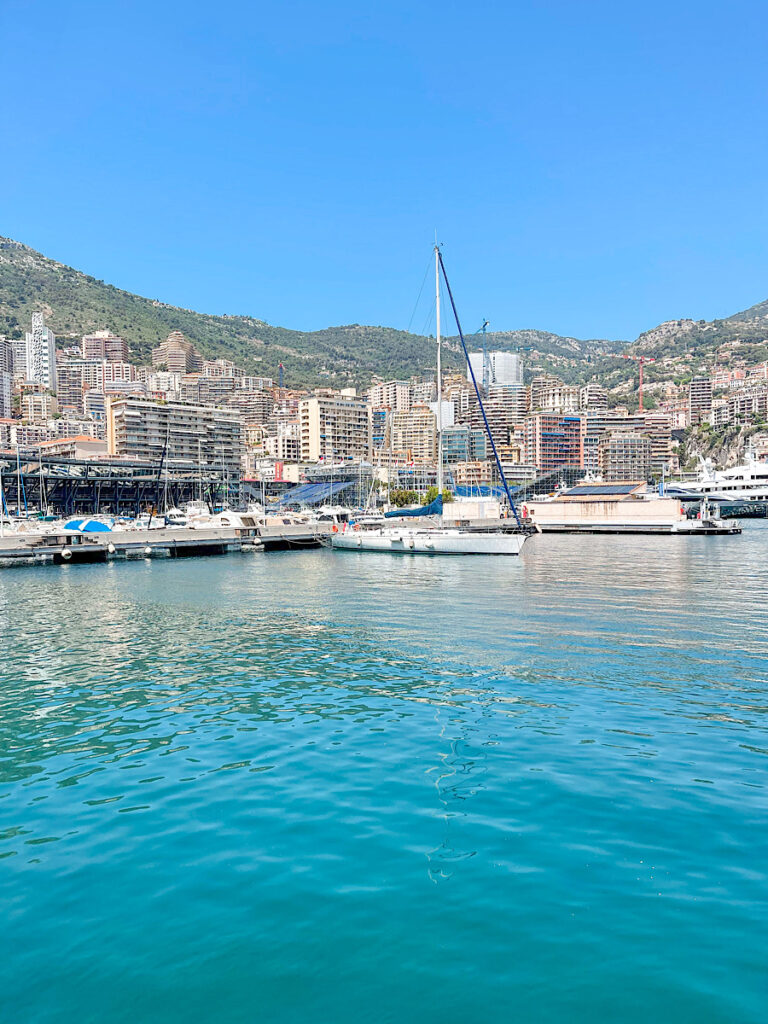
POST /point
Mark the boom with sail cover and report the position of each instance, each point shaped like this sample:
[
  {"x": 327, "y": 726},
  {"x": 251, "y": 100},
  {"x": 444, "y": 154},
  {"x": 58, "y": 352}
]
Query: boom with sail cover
[{"x": 434, "y": 508}]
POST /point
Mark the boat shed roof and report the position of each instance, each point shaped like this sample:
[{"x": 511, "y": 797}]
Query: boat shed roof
[
  {"x": 314, "y": 494},
  {"x": 622, "y": 489}
]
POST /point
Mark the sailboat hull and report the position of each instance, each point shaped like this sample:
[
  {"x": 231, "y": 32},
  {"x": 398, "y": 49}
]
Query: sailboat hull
[{"x": 429, "y": 542}]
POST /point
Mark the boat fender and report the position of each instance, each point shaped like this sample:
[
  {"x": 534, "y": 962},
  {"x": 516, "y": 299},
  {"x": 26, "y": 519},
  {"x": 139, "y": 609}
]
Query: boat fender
[
  {"x": 147, "y": 551},
  {"x": 356, "y": 526},
  {"x": 525, "y": 511},
  {"x": 66, "y": 555},
  {"x": 111, "y": 548},
  {"x": 335, "y": 528}
]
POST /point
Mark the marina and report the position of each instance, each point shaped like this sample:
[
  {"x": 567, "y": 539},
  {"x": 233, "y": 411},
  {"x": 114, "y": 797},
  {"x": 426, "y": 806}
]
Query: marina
[{"x": 384, "y": 514}]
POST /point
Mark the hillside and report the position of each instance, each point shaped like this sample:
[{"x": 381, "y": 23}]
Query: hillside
[
  {"x": 683, "y": 348},
  {"x": 75, "y": 303}
]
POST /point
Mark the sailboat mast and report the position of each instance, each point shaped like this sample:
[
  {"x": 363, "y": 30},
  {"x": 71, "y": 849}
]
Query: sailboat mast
[{"x": 439, "y": 376}]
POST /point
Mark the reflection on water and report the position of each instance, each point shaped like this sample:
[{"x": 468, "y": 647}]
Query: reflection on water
[{"x": 245, "y": 763}]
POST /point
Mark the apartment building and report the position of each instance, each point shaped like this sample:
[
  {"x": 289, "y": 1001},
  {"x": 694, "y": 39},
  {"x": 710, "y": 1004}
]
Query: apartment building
[
  {"x": 596, "y": 423},
  {"x": 592, "y": 396},
  {"x": 624, "y": 455},
  {"x": 553, "y": 440},
  {"x": 559, "y": 398},
  {"x": 74, "y": 377},
  {"x": 40, "y": 354},
  {"x": 104, "y": 345},
  {"x": 141, "y": 429},
  {"x": 462, "y": 443},
  {"x": 414, "y": 433},
  {"x": 699, "y": 399},
  {"x": 394, "y": 395},
  {"x": 472, "y": 474},
  {"x": 176, "y": 354},
  {"x": 334, "y": 426},
  {"x": 221, "y": 368},
  {"x": 254, "y": 405},
  {"x": 38, "y": 408},
  {"x": 6, "y": 378}
]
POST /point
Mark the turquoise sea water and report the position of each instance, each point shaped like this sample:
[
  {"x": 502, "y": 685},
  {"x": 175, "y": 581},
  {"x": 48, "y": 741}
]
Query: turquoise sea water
[{"x": 329, "y": 786}]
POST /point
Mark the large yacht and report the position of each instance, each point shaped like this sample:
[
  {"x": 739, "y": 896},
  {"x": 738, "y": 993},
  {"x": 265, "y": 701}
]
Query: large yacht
[{"x": 748, "y": 482}]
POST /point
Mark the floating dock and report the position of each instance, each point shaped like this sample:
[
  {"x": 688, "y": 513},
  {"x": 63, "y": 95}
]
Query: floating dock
[{"x": 65, "y": 547}]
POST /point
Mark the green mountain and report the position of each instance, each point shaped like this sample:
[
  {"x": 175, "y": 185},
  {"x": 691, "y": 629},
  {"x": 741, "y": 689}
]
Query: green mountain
[{"x": 75, "y": 303}]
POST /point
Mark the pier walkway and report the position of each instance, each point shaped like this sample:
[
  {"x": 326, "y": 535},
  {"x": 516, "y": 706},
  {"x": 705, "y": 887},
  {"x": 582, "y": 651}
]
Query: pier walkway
[{"x": 64, "y": 547}]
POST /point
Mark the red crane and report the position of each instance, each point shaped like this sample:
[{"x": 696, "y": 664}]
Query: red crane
[{"x": 642, "y": 360}]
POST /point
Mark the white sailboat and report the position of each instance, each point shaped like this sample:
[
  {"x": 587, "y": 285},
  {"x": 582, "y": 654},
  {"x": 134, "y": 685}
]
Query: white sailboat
[{"x": 504, "y": 537}]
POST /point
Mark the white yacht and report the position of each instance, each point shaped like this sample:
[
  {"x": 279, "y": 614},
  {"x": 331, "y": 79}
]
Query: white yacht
[{"x": 748, "y": 482}]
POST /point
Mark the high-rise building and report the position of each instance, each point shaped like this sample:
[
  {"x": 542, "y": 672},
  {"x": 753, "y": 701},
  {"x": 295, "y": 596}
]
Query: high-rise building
[
  {"x": 163, "y": 384},
  {"x": 624, "y": 455},
  {"x": 38, "y": 408},
  {"x": 141, "y": 429},
  {"x": 40, "y": 362},
  {"x": 596, "y": 423},
  {"x": 462, "y": 443},
  {"x": 506, "y": 406},
  {"x": 254, "y": 405},
  {"x": 6, "y": 378},
  {"x": 379, "y": 427},
  {"x": 553, "y": 440},
  {"x": 394, "y": 395},
  {"x": 334, "y": 426},
  {"x": 592, "y": 396},
  {"x": 700, "y": 399},
  {"x": 116, "y": 371},
  {"x": 559, "y": 398},
  {"x": 503, "y": 367},
  {"x": 74, "y": 377},
  {"x": 95, "y": 405},
  {"x": 6, "y": 406},
  {"x": 657, "y": 428},
  {"x": 285, "y": 444},
  {"x": 213, "y": 390},
  {"x": 19, "y": 358},
  {"x": 6, "y": 356},
  {"x": 176, "y": 354},
  {"x": 472, "y": 474},
  {"x": 221, "y": 368},
  {"x": 539, "y": 385},
  {"x": 414, "y": 433},
  {"x": 104, "y": 345},
  {"x": 423, "y": 390}
]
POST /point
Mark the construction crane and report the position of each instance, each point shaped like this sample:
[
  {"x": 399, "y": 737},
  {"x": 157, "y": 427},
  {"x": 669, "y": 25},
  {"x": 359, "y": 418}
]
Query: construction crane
[
  {"x": 486, "y": 366},
  {"x": 641, "y": 361}
]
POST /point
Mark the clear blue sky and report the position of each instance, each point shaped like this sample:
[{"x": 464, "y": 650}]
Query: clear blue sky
[{"x": 592, "y": 168}]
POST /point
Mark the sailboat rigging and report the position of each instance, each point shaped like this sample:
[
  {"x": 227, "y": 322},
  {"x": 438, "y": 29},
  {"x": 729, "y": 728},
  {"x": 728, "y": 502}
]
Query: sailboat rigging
[{"x": 499, "y": 538}]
